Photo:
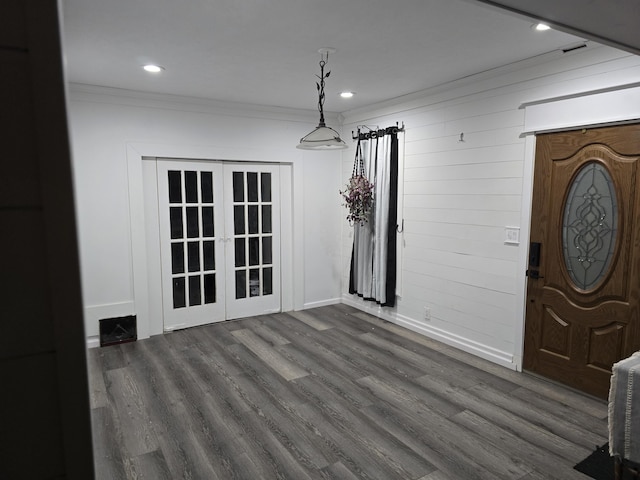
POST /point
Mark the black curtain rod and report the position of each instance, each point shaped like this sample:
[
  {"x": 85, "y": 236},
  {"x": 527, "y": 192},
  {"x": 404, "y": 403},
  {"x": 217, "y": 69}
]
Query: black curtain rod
[{"x": 375, "y": 133}]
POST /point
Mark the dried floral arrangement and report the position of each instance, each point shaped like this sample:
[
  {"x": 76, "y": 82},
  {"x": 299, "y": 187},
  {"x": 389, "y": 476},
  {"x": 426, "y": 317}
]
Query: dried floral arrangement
[{"x": 358, "y": 194}]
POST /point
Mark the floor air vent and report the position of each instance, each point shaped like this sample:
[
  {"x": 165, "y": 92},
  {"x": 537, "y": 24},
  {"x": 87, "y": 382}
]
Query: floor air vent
[{"x": 118, "y": 330}]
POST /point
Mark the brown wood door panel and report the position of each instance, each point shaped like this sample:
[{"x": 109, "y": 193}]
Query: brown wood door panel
[
  {"x": 561, "y": 357},
  {"x": 625, "y": 143},
  {"x": 604, "y": 324},
  {"x": 589, "y": 316},
  {"x": 575, "y": 330}
]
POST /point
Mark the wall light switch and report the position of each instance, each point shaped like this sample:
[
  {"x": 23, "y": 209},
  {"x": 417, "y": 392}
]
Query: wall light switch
[{"x": 512, "y": 235}]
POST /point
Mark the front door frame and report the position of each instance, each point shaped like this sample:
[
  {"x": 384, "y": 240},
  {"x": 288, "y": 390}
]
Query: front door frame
[
  {"x": 600, "y": 108},
  {"x": 142, "y": 271}
]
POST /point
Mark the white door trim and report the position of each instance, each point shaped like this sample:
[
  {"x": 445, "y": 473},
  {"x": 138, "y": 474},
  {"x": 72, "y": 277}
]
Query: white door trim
[
  {"x": 145, "y": 295},
  {"x": 523, "y": 254},
  {"x": 604, "y": 107}
]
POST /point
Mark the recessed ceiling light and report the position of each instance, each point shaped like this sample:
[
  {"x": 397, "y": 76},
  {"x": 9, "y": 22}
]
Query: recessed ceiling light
[
  {"x": 541, "y": 27},
  {"x": 347, "y": 94},
  {"x": 153, "y": 68}
]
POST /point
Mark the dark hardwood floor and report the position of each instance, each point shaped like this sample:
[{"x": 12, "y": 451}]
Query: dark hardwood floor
[{"x": 329, "y": 393}]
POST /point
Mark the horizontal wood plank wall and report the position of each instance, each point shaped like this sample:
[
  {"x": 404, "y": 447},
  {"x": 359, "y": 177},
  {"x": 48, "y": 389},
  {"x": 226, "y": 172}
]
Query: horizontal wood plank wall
[{"x": 460, "y": 195}]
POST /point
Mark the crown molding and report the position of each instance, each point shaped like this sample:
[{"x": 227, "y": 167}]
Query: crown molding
[{"x": 134, "y": 98}]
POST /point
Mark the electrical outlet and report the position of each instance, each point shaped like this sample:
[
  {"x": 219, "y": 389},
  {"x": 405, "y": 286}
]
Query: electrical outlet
[{"x": 427, "y": 313}]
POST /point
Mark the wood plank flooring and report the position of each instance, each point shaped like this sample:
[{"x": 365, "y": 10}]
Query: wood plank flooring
[{"x": 328, "y": 393}]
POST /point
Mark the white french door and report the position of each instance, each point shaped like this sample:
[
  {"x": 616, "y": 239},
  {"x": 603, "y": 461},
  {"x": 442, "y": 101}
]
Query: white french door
[
  {"x": 219, "y": 230},
  {"x": 190, "y": 199},
  {"x": 252, "y": 221}
]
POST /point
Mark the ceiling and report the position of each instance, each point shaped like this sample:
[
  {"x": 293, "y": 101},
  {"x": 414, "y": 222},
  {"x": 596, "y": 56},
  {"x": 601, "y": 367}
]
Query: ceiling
[
  {"x": 611, "y": 23},
  {"x": 265, "y": 52}
]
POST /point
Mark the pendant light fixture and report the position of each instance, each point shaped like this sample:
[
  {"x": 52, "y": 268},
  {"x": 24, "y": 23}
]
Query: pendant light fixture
[{"x": 323, "y": 137}]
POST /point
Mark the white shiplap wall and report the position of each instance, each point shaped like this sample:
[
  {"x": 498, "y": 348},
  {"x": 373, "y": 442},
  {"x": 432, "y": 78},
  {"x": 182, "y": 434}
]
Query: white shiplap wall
[{"x": 460, "y": 195}]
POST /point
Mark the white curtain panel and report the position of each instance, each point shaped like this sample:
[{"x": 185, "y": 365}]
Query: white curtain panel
[{"x": 363, "y": 239}]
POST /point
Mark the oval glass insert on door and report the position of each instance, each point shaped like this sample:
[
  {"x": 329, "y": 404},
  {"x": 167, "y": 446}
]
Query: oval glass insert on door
[{"x": 590, "y": 226}]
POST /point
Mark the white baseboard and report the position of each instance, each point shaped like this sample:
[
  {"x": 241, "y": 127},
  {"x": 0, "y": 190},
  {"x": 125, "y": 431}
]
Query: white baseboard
[
  {"x": 94, "y": 313},
  {"x": 93, "y": 342},
  {"x": 322, "y": 303},
  {"x": 467, "y": 345}
]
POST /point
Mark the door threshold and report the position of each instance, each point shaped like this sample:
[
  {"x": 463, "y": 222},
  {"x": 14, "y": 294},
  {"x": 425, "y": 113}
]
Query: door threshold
[{"x": 562, "y": 385}]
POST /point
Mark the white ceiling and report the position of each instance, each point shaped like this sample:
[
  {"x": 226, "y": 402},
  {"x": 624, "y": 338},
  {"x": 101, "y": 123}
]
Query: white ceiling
[
  {"x": 265, "y": 52},
  {"x": 609, "y": 22}
]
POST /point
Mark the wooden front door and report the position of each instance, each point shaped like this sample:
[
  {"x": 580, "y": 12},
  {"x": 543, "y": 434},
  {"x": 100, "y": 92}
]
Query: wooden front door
[{"x": 583, "y": 293}]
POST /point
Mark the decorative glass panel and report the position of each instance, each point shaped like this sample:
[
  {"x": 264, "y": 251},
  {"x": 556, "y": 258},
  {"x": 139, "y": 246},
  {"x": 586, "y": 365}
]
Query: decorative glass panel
[
  {"x": 253, "y": 239},
  {"x": 241, "y": 284},
  {"x": 206, "y": 185},
  {"x": 252, "y": 186},
  {"x": 254, "y": 251},
  {"x": 193, "y": 256},
  {"x": 265, "y": 180},
  {"x": 175, "y": 222},
  {"x": 210, "y": 288},
  {"x": 241, "y": 260},
  {"x": 266, "y": 250},
  {"x": 266, "y": 219},
  {"x": 238, "y": 187},
  {"x": 238, "y": 219},
  {"x": 253, "y": 218},
  {"x": 589, "y": 226},
  {"x": 177, "y": 258},
  {"x": 194, "y": 290},
  {"x": 267, "y": 274},
  {"x": 175, "y": 186},
  {"x": 207, "y": 222},
  {"x": 254, "y": 282},
  {"x": 208, "y": 255},
  {"x": 179, "y": 293},
  {"x": 193, "y": 228},
  {"x": 191, "y": 186}
]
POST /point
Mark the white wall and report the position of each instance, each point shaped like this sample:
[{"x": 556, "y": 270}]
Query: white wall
[
  {"x": 460, "y": 196},
  {"x": 107, "y": 125},
  {"x": 322, "y": 279}
]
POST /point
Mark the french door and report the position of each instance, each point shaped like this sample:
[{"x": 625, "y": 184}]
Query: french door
[
  {"x": 252, "y": 226},
  {"x": 219, "y": 241}
]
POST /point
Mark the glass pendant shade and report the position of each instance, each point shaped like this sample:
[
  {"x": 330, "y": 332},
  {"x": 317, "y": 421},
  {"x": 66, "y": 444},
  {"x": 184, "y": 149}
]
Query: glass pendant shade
[{"x": 322, "y": 138}]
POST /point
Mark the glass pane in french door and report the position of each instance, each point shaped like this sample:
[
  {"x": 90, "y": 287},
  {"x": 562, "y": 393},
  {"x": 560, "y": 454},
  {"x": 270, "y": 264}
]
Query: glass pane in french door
[
  {"x": 253, "y": 267},
  {"x": 252, "y": 243},
  {"x": 193, "y": 215},
  {"x": 191, "y": 243}
]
